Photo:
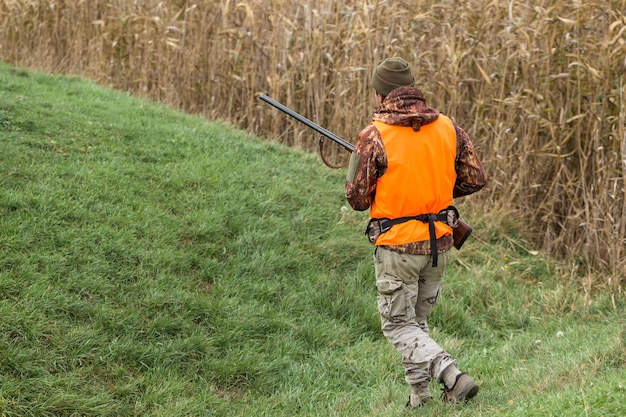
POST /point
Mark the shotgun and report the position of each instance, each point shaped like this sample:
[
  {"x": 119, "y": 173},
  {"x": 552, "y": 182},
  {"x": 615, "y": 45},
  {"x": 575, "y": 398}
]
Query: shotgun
[{"x": 459, "y": 233}]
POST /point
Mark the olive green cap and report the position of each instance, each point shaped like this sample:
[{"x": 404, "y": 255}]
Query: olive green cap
[{"x": 391, "y": 74}]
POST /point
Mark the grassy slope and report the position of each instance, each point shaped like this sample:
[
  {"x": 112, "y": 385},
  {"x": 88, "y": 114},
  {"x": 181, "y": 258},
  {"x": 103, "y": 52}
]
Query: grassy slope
[{"x": 154, "y": 263}]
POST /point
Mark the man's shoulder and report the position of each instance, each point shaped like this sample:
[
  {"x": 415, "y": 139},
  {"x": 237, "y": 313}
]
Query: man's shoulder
[
  {"x": 369, "y": 136},
  {"x": 445, "y": 119},
  {"x": 369, "y": 131}
]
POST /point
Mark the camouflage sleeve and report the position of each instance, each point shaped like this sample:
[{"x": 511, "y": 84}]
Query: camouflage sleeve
[
  {"x": 367, "y": 162},
  {"x": 471, "y": 175}
]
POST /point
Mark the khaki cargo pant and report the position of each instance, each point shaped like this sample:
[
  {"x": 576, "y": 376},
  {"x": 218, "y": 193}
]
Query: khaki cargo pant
[{"x": 408, "y": 289}]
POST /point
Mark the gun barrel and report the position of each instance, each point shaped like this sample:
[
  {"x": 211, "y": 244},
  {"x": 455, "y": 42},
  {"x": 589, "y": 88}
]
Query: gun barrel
[{"x": 319, "y": 129}]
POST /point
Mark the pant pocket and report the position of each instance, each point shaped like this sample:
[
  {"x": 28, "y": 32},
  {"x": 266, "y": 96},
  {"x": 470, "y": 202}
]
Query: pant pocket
[{"x": 392, "y": 301}]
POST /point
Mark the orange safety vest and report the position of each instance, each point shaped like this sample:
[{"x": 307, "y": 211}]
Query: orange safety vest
[{"x": 419, "y": 179}]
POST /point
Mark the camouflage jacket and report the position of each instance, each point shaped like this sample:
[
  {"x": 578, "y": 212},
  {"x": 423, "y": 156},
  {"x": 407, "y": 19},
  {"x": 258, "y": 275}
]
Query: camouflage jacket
[{"x": 406, "y": 106}]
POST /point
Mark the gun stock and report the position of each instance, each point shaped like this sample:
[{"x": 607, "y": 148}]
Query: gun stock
[{"x": 461, "y": 233}]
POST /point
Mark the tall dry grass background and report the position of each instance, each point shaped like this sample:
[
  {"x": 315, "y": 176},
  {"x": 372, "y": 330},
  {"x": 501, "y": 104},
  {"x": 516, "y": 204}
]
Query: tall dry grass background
[{"x": 539, "y": 86}]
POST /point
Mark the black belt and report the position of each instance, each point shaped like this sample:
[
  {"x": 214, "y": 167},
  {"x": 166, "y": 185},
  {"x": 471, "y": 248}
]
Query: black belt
[{"x": 376, "y": 227}]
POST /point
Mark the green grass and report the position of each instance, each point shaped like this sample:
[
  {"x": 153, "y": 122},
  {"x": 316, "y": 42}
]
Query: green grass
[{"x": 153, "y": 263}]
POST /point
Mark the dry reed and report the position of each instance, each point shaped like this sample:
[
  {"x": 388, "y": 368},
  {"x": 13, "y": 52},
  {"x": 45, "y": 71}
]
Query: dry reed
[{"x": 539, "y": 86}]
